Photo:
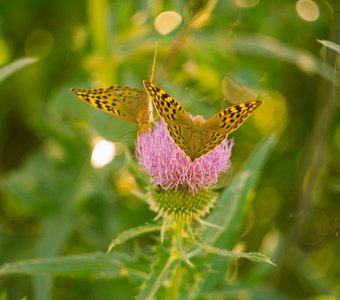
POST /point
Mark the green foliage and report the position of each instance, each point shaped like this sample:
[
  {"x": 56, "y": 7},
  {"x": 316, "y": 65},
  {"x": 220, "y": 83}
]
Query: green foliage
[
  {"x": 235, "y": 199},
  {"x": 116, "y": 264},
  {"x": 58, "y": 213},
  {"x": 16, "y": 66},
  {"x": 330, "y": 45},
  {"x": 90, "y": 266}
]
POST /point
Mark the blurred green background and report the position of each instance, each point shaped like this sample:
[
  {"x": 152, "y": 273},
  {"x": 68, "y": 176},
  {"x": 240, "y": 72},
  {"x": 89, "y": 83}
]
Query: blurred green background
[{"x": 53, "y": 202}]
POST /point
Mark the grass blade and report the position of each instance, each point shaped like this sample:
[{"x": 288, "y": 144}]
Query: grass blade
[{"x": 16, "y": 66}]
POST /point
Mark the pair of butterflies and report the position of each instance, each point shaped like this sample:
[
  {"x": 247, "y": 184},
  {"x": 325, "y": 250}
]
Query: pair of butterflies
[{"x": 195, "y": 137}]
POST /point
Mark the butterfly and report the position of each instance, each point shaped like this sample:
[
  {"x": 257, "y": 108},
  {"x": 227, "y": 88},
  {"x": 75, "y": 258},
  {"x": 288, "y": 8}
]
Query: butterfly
[
  {"x": 197, "y": 136},
  {"x": 120, "y": 101}
]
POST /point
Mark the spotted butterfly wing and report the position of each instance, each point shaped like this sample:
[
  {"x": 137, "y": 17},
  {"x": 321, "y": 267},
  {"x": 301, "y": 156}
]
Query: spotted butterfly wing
[
  {"x": 168, "y": 108},
  {"x": 197, "y": 137},
  {"x": 179, "y": 123},
  {"x": 231, "y": 118},
  {"x": 216, "y": 129},
  {"x": 120, "y": 101}
]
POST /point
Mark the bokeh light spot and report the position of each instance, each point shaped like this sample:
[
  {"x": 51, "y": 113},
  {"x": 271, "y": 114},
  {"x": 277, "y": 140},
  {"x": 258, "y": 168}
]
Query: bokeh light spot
[
  {"x": 307, "y": 10},
  {"x": 39, "y": 43},
  {"x": 270, "y": 241},
  {"x": 272, "y": 114},
  {"x": 246, "y": 3},
  {"x": 103, "y": 153},
  {"x": 167, "y": 21},
  {"x": 125, "y": 183},
  {"x": 235, "y": 92},
  {"x": 306, "y": 63},
  {"x": 311, "y": 233},
  {"x": 4, "y": 52},
  {"x": 266, "y": 205},
  {"x": 318, "y": 262},
  {"x": 139, "y": 18}
]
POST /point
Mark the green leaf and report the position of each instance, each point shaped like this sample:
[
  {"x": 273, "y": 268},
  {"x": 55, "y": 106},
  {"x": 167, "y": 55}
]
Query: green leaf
[
  {"x": 253, "y": 256},
  {"x": 16, "y": 66},
  {"x": 267, "y": 46},
  {"x": 161, "y": 271},
  {"x": 229, "y": 212},
  {"x": 330, "y": 45},
  {"x": 132, "y": 233},
  {"x": 231, "y": 209},
  {"x": 90, "y": 266}
]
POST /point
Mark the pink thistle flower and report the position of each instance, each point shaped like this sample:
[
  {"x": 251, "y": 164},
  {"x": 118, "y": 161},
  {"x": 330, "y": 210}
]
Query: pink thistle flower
[{"x": 169, "y": 168}]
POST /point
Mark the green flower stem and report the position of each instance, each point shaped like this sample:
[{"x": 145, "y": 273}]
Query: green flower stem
[
  {"x": 156, "y": 280},
  {"x": 174, "y": 287},
  {"x": 178, "y": 239},
  {"x": 176, "y": 253},
  {"x": 178, "y": 236}
]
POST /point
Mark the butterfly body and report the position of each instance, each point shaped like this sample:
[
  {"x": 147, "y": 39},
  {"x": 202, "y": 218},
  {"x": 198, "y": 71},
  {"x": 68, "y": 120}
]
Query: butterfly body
[
  {"x": 191, "y": 133},
  {"x": 197, "y": 125},
  {"x": 120, "y": 101},
  {"x": 196, "y": 136}
]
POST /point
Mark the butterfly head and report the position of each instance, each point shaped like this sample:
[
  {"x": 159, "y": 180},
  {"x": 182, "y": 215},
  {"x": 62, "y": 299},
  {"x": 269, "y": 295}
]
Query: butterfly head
[{"x": 197, "y": 125}]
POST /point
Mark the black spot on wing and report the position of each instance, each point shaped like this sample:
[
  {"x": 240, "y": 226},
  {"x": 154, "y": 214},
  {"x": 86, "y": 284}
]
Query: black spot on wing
[
  {"x": 215, "y": 140},
  {"x": 176, "y": 134}
]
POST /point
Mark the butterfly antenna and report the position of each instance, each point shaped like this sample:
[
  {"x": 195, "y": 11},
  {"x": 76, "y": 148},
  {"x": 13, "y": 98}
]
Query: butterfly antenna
[
  {"x": 125, "y": 134},
  {"x": 153, "y": 63},
  {"x": 151, "y": 79}
]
